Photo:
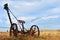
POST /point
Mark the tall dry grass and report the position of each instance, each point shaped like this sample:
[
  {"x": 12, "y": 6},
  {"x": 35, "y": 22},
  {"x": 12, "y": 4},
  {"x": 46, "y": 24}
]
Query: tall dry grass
[{"x": 45, "y": 35}]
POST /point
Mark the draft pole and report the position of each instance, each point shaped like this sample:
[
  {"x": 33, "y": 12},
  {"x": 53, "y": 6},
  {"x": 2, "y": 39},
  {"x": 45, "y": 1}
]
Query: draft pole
[{"x": 7, "y": 9}]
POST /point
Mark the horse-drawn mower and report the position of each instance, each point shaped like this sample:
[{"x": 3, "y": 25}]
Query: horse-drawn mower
[{"x": 34, "y": 30}]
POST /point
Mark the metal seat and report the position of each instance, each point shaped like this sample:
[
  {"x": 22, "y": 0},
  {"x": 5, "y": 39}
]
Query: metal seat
[{"x": 21, "y": 21}]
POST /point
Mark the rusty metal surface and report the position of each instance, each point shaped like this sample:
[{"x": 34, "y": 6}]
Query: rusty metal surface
[
  {"x": 34, "y": 29},
  {"x": 14, "y": 28},
  {"x": 7, "y": 9}
]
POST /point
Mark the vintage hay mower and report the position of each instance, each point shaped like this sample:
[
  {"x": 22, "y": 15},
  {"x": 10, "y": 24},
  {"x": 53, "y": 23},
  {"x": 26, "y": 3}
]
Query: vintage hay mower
[{"x": 14, "y": 28}]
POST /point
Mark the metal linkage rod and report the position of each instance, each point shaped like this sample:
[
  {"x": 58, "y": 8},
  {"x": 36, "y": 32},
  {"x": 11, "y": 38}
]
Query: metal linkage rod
[{"x": 17, "y": 20}]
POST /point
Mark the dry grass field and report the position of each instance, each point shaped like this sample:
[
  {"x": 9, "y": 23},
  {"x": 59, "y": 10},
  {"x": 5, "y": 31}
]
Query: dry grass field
[{"x": 44, "y": 35}]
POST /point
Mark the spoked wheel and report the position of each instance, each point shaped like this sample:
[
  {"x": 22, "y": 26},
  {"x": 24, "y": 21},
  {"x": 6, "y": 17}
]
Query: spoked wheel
[
  {"x": 34, "y": 30},
  {"x": 14, "y": 30}
]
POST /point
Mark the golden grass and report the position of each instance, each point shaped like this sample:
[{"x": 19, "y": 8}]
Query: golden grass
[{"x": 44, "y": 35}]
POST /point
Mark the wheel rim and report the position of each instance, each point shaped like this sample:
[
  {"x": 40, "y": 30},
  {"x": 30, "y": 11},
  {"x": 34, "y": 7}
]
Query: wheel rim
[
  {"x": 34, "y": 30},
  {"x": 13, "y": 30}
]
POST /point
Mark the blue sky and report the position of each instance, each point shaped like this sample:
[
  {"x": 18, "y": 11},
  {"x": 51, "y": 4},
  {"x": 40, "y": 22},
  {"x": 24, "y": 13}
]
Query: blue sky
[{"x": 44, "y": 13}]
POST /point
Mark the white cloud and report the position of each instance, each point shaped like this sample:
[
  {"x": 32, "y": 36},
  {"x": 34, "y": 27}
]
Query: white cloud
[
  {"x": 24, "y": 7},
  {"x": 56, "y": 26},
  {"x": 50, "y": 1},
  {"x": 21, "y": 5},
  {"x": 26, "y": 18},
  {"x": 49, "y": 17},
  {"x": 56, "y": 10},
  {"x": 44, "y": 19},
  {"x": 0, "y": 21}
]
